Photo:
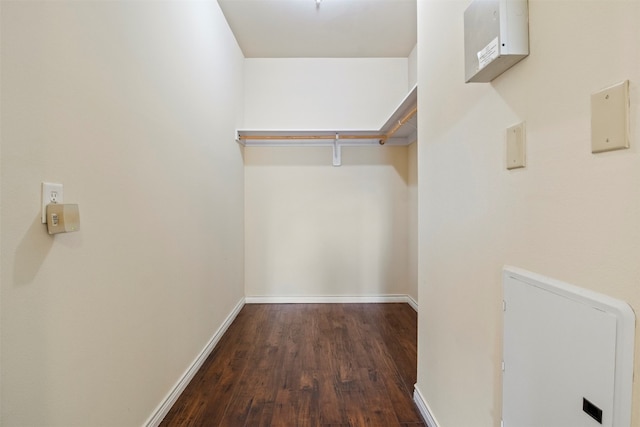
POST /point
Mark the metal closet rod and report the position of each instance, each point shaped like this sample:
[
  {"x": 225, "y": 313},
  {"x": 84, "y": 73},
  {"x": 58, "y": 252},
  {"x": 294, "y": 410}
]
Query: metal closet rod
[
  {"x": 401, "y": 123},
  {"x": 331, "y": 137},
  {"x": 382, "y": 137}
]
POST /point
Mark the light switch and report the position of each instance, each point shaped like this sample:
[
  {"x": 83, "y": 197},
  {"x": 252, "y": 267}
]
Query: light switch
[
  {"x": 610, "y": 118},
  {"x": 516, "y": 146}
]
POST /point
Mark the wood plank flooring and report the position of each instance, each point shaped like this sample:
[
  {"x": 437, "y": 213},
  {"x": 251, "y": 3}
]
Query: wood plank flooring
[{"x": 307, "y": 365}]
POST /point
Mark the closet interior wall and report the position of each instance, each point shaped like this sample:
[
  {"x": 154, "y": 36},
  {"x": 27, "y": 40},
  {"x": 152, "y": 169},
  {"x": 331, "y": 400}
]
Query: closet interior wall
[{"x": 312, "y": 229}]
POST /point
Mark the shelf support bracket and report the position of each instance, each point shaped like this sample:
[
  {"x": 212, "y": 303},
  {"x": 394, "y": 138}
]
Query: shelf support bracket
[{"x": 337, "y": 152}]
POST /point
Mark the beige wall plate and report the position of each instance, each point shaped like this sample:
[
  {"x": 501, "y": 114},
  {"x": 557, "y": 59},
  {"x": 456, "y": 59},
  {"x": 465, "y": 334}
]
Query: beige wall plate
[
  {"x": 610, "y": 118},
  {"x": 516, "y": 147}
]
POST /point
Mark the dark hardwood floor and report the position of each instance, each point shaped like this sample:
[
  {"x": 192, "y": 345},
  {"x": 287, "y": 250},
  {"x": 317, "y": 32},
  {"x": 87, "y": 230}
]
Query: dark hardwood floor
[{"x": 300, "y": 365}]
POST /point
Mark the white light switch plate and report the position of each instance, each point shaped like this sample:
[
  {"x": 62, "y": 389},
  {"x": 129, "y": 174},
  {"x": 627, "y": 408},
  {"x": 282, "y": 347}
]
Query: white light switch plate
[
  {"x": 610, "y": 118},
  {"x": 51, "y": 193},
  {"x": 516, "y": 146}
]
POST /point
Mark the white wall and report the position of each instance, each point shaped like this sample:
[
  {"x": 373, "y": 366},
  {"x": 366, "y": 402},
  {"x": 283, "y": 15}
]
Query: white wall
[
  {"x": 132, "y": 106},
  {"x": 317, "y": 230},
  {"x": 323, "y": 93},
  {"x": 570, "y": 214},
  {"x": 313, "y": 229},
  {"x": 412, "y": 222},
  {"x": 413, "y": 67}
]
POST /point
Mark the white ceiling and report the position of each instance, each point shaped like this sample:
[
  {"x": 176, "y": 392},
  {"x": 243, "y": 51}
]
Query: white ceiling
[{"x": 332, "y": 29}]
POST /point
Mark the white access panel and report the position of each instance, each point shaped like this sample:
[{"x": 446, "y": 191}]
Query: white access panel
[{"x": 568, "y": 355}]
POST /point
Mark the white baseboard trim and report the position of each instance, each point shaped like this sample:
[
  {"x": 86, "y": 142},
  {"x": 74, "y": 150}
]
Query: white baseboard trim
[
  {"x": 163, "y": 408},
  {"x": 423, "y": 407},
  {"x": 332, "y": 299},
  {"x": 412, "y": 302}
]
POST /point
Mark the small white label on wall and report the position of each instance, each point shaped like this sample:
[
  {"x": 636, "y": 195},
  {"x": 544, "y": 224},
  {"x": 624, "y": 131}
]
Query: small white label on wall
[{"x": 488, "y": 54}]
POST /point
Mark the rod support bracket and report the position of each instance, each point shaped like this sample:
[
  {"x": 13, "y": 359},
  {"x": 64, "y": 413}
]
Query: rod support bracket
[{"x": 337, "y": 151}]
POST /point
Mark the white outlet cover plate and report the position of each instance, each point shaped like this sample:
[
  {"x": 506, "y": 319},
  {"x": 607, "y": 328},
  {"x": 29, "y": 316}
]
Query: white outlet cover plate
[{"x": 50, "y": 190}]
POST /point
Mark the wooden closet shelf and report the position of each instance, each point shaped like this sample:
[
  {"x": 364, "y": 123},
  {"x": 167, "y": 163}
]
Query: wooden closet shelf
[{"x": 400, "y": 129}]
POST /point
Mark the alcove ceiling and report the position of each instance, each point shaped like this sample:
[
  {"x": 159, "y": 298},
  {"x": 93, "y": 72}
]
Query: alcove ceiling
[{"x": 323, "y": 28}]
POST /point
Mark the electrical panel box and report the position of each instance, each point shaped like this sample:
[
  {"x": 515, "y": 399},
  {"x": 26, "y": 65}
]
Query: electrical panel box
[
  {"x": 567, "y": 354},
  {"x": 496, "y": 37}
]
